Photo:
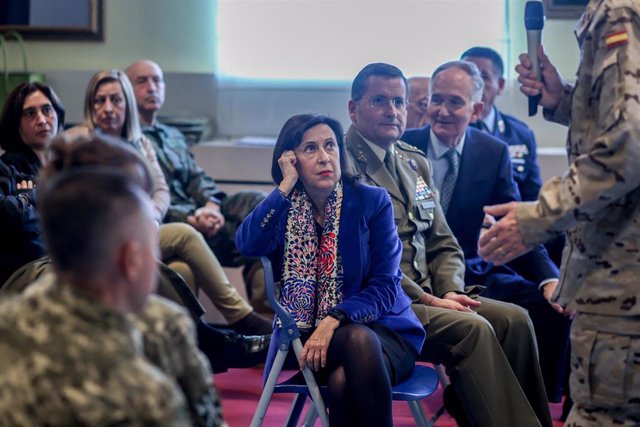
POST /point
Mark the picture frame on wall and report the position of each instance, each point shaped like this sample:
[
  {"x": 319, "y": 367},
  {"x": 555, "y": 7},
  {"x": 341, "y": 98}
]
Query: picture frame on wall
[
  {"x": 564, "y": 9},
  {"x": 53, "y": 20}
]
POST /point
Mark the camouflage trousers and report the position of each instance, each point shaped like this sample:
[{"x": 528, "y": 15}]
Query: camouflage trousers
[{"x": 605, "y": 371}]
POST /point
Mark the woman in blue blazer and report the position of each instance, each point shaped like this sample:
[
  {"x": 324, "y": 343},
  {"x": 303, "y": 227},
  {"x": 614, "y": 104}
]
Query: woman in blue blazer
[{"x": 335, "y": 249}]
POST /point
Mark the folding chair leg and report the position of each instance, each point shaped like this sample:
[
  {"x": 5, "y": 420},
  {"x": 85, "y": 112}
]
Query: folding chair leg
[
  {"x": 310, "y": 418},
  {"x": 442, "y": 376},
  {"x": 314, "y": 390},
  {"x": 269, "y": 386},
  {"x": 418, "y": 414},
  {"x": 296, "y": 410}
]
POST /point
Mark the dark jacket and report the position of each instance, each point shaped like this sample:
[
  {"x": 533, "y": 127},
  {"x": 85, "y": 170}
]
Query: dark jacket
[
  {"x": 523, "y": 153},
  {"x": 21, "y": 239},
  {"x": 484, "y": 179}
]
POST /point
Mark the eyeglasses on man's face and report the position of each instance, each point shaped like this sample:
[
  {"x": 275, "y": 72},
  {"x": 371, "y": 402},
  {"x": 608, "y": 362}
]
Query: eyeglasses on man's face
[{"x": 380, "y": 102}]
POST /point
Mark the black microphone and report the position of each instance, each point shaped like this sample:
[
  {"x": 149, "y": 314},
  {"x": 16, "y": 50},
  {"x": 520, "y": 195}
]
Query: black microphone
[{"x": 534, "y": 22}]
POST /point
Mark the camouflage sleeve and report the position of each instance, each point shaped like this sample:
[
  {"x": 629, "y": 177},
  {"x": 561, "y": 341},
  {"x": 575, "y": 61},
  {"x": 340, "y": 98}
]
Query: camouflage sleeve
[
  {"x": 178, "y": 212},
  {"x": 147, "y": 394},
  {"x": 170, "y": 343},
  {"x": 201, "y": 188},
  {"x": 197, "y": 379},
  {"x": 100, "y": 383},
  {"x": 562, "y": 112},
  {"x": 609, "y": 128}
]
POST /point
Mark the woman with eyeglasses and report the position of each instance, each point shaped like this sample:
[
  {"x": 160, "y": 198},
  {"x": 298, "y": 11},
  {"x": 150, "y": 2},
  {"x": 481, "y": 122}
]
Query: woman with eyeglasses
[{"x": 32, "y": 115}]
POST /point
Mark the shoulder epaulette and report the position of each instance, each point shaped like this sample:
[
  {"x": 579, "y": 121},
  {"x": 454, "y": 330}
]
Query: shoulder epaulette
[{"x": 401, "y": 145}]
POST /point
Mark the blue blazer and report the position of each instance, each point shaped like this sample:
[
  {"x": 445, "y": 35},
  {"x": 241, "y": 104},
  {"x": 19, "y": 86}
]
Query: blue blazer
[
  {"x": 370, "y": 248},
  {"x": 485, "y": 178},
  {"x": 523, "y": 153}
]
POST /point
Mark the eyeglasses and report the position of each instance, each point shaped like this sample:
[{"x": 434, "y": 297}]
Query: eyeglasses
[
  {"x": 380, "y": 102},
  {"x": 32, "y": 112}
]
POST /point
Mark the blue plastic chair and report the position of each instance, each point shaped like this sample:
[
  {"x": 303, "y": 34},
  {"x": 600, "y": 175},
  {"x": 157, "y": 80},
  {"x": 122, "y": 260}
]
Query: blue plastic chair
[{"x": 421, "y": 384}]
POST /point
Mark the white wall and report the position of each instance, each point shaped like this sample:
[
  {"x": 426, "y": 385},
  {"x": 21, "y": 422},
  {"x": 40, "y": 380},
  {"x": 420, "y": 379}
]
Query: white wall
[{"x": 180, "y": 35}]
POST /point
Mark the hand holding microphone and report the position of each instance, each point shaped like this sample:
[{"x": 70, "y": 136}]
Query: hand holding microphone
[
  {"x": 534, "y": 22},
  {"x": 538, "y": 78}
]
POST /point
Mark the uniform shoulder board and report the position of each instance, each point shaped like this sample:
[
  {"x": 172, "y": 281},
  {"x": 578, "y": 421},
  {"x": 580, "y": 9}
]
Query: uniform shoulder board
[{"x": 401, "y": 145}]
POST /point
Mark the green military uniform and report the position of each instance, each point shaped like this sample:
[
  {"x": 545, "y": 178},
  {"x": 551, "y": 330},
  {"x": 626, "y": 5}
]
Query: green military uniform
[
  {"x": 169, "y": 343},
  {"x": 168, "y": 339},
  {"x": 598, "y": 202},
  {"x": 479, "y": 352},
  {"x": 66, "y": 360},
  {"x": 191, "y": 189}
]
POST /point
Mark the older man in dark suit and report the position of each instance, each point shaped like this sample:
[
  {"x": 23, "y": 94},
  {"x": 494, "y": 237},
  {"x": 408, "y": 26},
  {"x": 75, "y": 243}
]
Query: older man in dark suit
[
  {"x": 471, "y": 170},
  {"x": 490, "y": 356}
]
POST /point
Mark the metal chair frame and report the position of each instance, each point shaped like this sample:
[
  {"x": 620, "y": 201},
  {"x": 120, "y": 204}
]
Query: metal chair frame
[{"x": 422, "y": 383}]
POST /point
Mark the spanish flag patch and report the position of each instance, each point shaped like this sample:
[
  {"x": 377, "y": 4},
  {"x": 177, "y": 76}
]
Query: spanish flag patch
[{"x": 616, "y": 39}]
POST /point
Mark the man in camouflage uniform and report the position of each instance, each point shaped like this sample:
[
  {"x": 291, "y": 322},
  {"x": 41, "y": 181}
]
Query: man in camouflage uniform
[
  {"x": 69, "y": 351},
  {"x": 195, "y": 198},
  {"x": 597, "y": 201},
  {"x": 480, "y": 341}
]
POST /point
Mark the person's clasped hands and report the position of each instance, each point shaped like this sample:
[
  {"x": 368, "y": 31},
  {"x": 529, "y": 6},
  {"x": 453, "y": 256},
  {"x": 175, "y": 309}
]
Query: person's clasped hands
[{"x": 208, "y": 219}]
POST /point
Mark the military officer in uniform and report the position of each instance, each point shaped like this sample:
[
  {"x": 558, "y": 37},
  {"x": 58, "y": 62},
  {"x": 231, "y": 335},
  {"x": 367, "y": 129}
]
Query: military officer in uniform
[
  {"x": 521, "y": 140},
  {"x": 68, "y": 353},
  {"x": 597, "y": 201},
  {"x": 479, "y": 341}
]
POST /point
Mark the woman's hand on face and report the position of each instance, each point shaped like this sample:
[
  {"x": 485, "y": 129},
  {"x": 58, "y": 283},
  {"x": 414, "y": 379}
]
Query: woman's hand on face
[
  {"x": 287, "y": 163},
  {"x": 314, "y": 352}
]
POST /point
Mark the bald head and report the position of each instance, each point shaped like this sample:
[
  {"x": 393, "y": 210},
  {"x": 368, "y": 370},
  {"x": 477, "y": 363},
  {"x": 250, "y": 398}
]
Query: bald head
[
  {"x": 418, "y": 99},
  {"x": 148, "y": 86}
]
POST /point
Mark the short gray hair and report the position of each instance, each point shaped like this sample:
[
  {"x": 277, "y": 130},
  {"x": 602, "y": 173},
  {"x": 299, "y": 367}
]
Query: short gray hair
[{"x": 468, "y": 67}]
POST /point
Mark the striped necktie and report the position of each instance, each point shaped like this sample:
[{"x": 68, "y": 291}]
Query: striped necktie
[{"x": 450, "y": 178}]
